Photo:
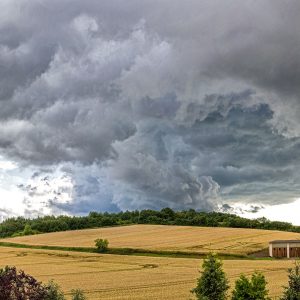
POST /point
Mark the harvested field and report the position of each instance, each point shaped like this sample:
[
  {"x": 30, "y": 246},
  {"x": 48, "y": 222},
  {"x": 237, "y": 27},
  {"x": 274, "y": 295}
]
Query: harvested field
[
  {"x": 132, "y": 277},
  {"x": 162, "y": 237}
]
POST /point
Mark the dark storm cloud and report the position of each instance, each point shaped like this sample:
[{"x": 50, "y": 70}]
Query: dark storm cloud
[{"x": 166, "y": 103}]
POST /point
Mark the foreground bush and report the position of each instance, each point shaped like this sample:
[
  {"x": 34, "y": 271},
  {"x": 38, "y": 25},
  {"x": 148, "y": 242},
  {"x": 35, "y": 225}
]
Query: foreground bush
[
  {"x": 212, "y": 284},
  {"x": 78, "y": 295},
  {"x": 292, "y": 292},
  {"x": 17, "y": 285},
  {"x": 251, "y": 289},
  {"x": 54, "y": 292}
]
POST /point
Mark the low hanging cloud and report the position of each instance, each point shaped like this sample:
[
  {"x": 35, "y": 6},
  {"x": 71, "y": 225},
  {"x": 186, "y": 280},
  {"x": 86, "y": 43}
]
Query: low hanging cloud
[{"x": 151, "y": 104}]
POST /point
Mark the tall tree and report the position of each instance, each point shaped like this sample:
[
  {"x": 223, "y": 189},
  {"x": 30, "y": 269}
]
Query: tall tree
[
  {"x": 292, "y": 292},
  {"x": 212, "y": 284}
]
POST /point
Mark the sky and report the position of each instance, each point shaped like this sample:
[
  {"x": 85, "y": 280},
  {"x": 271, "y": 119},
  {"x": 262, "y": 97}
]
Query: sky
[{"x": 143, "y": 104}]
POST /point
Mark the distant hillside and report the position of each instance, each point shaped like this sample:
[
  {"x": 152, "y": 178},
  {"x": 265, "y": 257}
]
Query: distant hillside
[
  {"x": 22, "y": 226},
  {"x": 232, "y": 241}
]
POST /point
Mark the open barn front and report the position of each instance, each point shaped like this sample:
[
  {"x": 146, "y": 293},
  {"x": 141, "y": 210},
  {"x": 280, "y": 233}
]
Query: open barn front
[
  {"x": 295, "y": 251},
  {"x": 279, "y": 252},
  {"x": 288, "y": 249}
]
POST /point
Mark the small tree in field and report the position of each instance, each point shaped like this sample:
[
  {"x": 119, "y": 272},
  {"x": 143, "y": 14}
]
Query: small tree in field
[
  {"x": 78, "y": 295},
  {"x": 292, "y": 292},
  {"x": 101, "y": 245},
  {"x": 251, "y": 289},
  {"x": 212, "y": 284}
]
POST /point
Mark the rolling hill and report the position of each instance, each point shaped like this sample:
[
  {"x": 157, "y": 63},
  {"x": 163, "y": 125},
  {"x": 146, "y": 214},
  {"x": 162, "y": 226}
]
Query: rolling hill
[{"x": 164, "y": 237}]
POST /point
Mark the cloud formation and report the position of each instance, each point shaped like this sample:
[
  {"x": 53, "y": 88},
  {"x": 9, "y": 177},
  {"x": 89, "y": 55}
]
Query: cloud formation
[{"x": 151, "y": 104}]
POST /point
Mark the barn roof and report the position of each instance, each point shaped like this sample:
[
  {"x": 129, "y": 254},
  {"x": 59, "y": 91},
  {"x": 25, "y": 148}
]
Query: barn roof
[{"x": 284, "y": 241}]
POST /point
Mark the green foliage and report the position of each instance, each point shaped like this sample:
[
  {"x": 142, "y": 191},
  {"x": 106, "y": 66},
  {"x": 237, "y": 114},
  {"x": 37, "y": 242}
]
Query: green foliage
[
  {"x": 28, "y": 230},
  {"x": 21, "y": 226},
  {"x": 54, "y": 292},
  {"x": 292, "y": 292},
  {"x": 101, "y": 245},
  {"x": 212, "y": 284},
  {"x": 78, "y": 295},
  {"x": 251, "y": 289}
]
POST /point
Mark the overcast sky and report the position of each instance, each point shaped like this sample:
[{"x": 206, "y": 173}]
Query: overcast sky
[{"x": 114, "y": 105}]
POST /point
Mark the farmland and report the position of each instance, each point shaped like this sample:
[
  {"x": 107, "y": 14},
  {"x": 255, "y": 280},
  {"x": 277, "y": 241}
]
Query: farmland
[
  {"x": 106, "y": 276},
  {"x": 131, "y": 277},
  {"x": 162, "y": 237}
]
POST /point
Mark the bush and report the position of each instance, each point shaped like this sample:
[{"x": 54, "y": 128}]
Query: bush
[
  {"x": 251, "y": 289},
  {"x": 78, "y": 295},
  {"x": 212, "y": 284},
  {"x": 101, "y": 245},
  {"x": 18, "y": 285},
  {"x": 292, "y": 292},
  {"x": 53, "y": 291}
]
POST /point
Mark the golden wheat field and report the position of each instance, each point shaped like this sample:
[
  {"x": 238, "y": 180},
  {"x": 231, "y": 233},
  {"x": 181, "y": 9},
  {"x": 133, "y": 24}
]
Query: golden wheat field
[
  {"x": 132, "y": 277},
  {"x": 162, "y": 237}
]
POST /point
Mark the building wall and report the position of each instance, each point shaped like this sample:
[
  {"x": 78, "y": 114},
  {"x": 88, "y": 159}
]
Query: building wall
[
  {"x": 295, "y": 250},
  {"x": 281, "y": 250}
]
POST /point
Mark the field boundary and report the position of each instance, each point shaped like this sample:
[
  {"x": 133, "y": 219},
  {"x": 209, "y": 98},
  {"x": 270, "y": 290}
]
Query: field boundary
[{"x": 132, "y": 251}]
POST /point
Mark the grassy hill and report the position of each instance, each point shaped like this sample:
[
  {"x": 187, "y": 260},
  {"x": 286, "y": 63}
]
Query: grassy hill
[{"x": 164, "y": 237}]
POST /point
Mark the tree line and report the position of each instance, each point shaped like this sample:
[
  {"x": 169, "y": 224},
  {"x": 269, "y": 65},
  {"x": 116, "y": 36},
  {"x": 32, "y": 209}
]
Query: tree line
[{"x": 25, "y": 226}]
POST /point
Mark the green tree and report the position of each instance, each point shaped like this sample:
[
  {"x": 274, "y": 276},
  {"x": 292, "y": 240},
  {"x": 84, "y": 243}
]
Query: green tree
[
  {"x": 212, "y": 284},
  {"x": 251, "y": 289},
  {"x": 78, "y": 295},
  {"x": 292, "y": 292},
  {"x": 54, "y": 292},
  {"x": 101, "y": 245},
  {"x": 28, "y": 230}
]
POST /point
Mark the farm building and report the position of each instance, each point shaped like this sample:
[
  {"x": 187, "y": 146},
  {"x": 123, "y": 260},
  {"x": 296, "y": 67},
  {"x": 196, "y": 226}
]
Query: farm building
[{"x": 284, "y": 248}]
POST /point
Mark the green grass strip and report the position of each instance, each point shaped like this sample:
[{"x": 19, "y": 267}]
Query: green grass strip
[{"x": 129, "y": 251}]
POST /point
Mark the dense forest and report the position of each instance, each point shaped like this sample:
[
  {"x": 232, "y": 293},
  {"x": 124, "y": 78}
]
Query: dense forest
[{"x": 22, "y": 226}]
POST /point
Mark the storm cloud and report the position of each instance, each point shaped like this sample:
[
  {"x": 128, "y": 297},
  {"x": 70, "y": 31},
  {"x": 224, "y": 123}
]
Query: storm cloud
[{"x": 149, "y": 104}]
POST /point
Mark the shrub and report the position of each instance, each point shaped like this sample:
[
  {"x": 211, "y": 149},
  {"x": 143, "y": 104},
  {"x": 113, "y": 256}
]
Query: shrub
[
  {"x": 212, "y": 284},
  {"x": 18, "y": 285},
  {"x": 251, "y": 289},
  {"x": 78, "y": 295},
  {"x": 53, "y": 291},
  {"x": 101, "y": 245},
  {"x": 292, "y": 292}
]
